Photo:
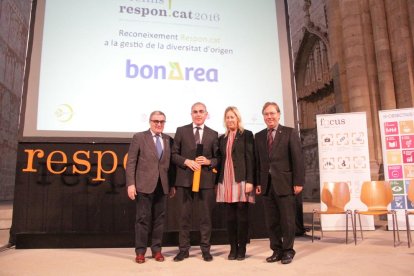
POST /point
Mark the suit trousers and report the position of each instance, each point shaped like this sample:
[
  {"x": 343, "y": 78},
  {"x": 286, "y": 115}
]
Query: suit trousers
[
  {"x": 204, "y": 201},
  {"x": 300, "y": 227},
  {"x": 280, "y": 214},
  {"x": 149, "y": 223}
]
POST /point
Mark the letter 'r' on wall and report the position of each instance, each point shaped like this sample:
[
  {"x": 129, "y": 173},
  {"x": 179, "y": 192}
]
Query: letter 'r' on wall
[{"x": 30, "y": 157}]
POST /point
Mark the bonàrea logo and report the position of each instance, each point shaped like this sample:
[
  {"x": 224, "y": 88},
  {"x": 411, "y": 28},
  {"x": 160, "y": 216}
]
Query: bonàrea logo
[{"x": 172, "y": 71}]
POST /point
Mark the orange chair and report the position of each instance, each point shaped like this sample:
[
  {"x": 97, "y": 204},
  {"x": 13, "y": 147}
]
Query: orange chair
[
  {"x": 377, "y": 195},
  {"x": 410, "y": 195},
  {"x": 335, "y": 195}
]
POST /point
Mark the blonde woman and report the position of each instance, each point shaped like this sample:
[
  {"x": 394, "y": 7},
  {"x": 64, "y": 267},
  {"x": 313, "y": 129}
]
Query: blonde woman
[{"x": 235, "y": 180}]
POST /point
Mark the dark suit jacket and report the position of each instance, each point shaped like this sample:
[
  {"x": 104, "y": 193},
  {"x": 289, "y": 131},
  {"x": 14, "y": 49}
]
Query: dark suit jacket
[
  {"x": 185, "y": 148},
  {"x": 143, "y": 167},
  {"x": 242, "y": 156},
  {"x": 285, "y": 162}
]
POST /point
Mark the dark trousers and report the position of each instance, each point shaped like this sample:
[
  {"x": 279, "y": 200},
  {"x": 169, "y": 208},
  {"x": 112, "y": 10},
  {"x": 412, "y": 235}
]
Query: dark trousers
[
  {"x": 205, "y": 200},
  {"x": 300, "y": 227},
  {"x": 237, "y": 223},
  {"x": 280, "y": 214},
  {"x": 150, "y": 214}
]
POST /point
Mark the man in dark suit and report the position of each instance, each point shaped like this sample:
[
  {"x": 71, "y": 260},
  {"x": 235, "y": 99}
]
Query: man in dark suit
[
  {"x": 280, "y": 172},
  {"x": 148, "y": 174},
  {"x": 184, "y": 153}
]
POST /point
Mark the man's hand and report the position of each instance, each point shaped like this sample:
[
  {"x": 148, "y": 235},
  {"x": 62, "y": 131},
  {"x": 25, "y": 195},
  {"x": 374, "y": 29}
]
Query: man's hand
[
  {"x": 201, "y": 160},
  {"x": 192, "y": 164},
  {"x": 171, "y": 193},
  {"x": 297, "y": 189},
  {"x": 258, "y": 190},
  {"x": 132, "y": 192}
]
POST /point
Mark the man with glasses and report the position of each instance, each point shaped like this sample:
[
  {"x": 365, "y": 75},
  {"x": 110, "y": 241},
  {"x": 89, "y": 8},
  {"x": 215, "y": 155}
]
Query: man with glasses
[
  {"x": 149, "y": 179},
  {"x": 195, "y": 147},
  {"x": 281, "y": 175}
]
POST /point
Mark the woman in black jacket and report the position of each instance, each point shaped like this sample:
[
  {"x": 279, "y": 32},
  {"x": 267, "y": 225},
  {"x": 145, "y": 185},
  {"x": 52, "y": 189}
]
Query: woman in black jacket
[{"x": 235, "y": 180}]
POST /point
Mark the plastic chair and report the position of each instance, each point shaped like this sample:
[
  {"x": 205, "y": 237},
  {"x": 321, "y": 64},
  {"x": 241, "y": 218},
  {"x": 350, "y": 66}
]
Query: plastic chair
[
  {"x": 377, "y": 195},
  {"x": 335, "y": 195},
  {"x": 410, "y": 195}
]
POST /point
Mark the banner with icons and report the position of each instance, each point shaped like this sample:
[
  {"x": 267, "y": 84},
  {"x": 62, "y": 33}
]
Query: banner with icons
[
  {"x": 344, "y": 157},
  {"x": 397, "y": 137}
]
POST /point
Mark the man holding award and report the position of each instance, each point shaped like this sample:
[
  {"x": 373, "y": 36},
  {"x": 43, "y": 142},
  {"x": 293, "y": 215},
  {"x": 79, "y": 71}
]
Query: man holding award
[{"x": 195, "y": 154}]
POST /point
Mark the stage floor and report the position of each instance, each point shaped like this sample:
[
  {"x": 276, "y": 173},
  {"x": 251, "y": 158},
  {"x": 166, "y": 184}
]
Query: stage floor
[{"x": 375, "y": 255}]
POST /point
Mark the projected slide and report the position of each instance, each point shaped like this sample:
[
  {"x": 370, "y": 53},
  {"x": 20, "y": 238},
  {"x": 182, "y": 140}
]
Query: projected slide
[{"x": 105, "y": 65}]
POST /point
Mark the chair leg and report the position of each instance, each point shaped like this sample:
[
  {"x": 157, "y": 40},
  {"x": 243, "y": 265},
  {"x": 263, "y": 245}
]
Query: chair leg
[
  {"x": 349, "y": 212},
  {"x": 398, "y": 230},
  {"x": 395, "y": 227},
  {"x": 393, "y": 224},
  {"x": 352, "y": 222},
  {"x": 313, "y": 223},
  {"x": 346, "y": 225},
  {"x": 320, "y": 224},
  {"x": 407, "y": 221},
  {"x": 408, "y": 228},
  {"x": 360, "y": 225},
  {"x": 355, "y": 238}
]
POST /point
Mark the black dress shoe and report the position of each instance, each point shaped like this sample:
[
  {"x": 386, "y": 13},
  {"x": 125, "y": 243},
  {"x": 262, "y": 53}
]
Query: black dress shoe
[
  {"x": 181, "y": 256},
  {"x": 300, "y": 234},
  {"x": 207, "y": 256},
  {"x": 287, "y": 258},
  {"x": 10, "y": 245},
  {"x": 276, "y": 256},
  {"x": 233, "y": 254},
  {"x": 241, "y": 253}
]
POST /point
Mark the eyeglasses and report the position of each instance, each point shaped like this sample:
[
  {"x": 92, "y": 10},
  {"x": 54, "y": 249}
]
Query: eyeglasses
[
  {"x": 198, "y": 111},
  {"x": 270, "y": 113},
  {"x": 158, "y": 122}
]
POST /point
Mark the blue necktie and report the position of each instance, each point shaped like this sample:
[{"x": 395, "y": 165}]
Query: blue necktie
[{"x": 158, "y": 146}]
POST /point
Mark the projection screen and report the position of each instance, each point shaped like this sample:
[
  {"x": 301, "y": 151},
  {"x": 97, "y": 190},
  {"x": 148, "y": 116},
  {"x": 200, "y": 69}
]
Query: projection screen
[{"x": 99, "y": 68}]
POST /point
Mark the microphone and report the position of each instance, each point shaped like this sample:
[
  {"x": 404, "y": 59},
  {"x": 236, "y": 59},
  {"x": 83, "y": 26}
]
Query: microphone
[
  {"x": 197, "y": 173},
  {"x": 199, "y": 150}
]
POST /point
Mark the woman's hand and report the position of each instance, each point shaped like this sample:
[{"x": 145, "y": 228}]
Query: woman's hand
[{"x": 249, "y": 188}]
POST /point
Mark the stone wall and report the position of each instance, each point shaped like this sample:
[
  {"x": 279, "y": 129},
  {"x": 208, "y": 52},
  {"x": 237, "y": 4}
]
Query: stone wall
[
  {"x": 14, "y": 28},
  {"x": 370, "y": 45},
  {"x": 311, "y": 191},
  {"x": 311, "y": 14},
  {"x": 297, "y": 18}
]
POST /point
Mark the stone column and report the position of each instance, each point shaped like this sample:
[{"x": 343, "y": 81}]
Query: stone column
[
  {"x": 408, "y": 45},
  {"x": 338, "y": 71},
  {"x": 357, "y": 69},
  {"x": 372, "y": 74},
  {"x": 382, "y": 54},
  {"x": 401, "y": 51}
]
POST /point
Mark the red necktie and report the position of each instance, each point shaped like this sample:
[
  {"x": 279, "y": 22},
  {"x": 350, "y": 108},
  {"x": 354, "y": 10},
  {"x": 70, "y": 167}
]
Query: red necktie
[{"x": 269, "y": 139}]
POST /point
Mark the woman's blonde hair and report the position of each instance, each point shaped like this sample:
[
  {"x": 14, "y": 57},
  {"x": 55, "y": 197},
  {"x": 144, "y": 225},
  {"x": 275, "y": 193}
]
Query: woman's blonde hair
[{"x": 238, "y": 116}]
